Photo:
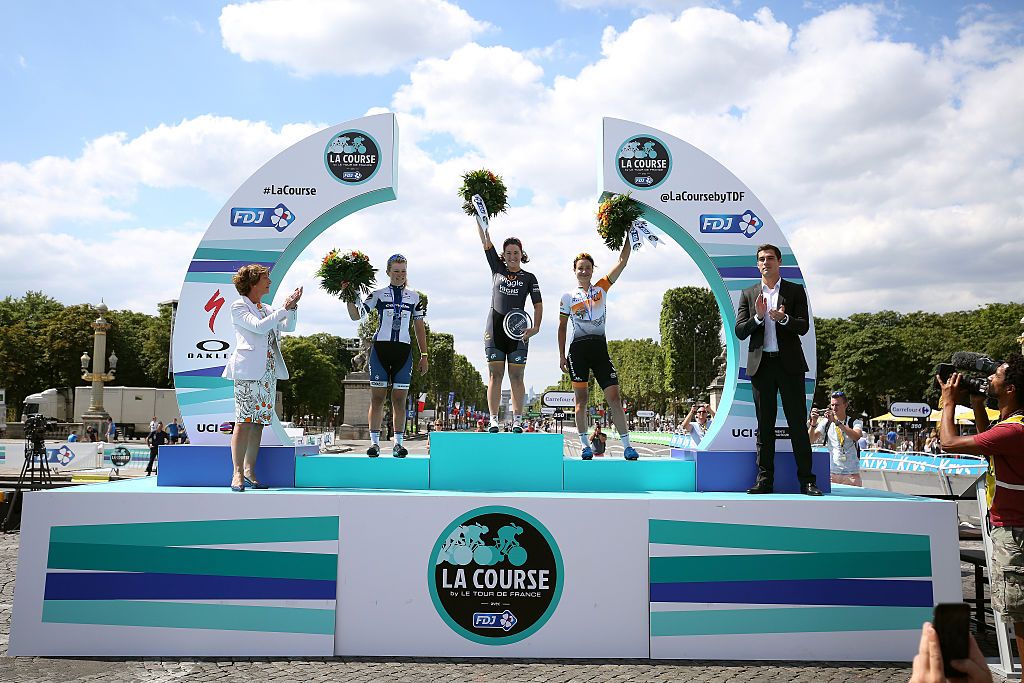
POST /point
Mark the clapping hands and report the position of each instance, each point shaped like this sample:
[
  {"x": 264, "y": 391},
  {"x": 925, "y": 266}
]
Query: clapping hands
[{"x": 292, "y": 301}]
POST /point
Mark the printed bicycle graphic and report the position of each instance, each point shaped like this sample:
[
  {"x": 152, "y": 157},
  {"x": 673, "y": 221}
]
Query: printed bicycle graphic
[{"x": 465, "y": 545}]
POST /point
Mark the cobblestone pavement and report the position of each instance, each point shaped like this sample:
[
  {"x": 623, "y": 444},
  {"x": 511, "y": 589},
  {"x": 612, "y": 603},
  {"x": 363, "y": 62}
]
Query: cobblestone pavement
[{"x": 368, "y": 670}]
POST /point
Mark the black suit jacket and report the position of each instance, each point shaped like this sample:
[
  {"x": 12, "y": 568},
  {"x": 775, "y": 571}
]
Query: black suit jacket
[{"x": 794, "y": 298}]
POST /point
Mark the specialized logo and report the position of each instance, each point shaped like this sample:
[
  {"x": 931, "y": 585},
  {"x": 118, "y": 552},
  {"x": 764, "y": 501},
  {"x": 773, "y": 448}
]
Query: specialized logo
[
  {"x": 643, "y": 162},
  {"x": 746, "y": 223},
  {"x": 495, "y": 575},
  {"x": 352, "y": 157},
  {"x": 213, "y": 307},
  {"x": 278, "y": 217}
]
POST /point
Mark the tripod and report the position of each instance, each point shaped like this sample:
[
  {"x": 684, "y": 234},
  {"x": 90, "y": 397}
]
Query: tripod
[{"x": 35, "y": 475}]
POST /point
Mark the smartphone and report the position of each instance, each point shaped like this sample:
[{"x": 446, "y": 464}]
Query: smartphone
[{"x": 952, "y": 622}]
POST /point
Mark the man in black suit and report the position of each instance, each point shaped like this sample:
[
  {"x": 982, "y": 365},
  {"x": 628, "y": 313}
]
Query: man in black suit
[{"x": 773, "y": 313}]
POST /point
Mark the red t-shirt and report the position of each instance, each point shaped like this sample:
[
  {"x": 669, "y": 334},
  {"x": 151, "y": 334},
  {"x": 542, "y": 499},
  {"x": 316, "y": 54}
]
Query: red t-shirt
[{"x": 1004, "y": 443}]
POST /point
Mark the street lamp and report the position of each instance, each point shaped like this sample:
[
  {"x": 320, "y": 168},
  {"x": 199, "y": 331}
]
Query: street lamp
[{"x": 96, "y": 415}]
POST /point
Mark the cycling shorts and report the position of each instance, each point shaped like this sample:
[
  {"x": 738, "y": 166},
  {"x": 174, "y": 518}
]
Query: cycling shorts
[
  {"x": 390, "y": 364},
  {"x": 498, "y": 346},
  {"x": 590, "y": 354}
]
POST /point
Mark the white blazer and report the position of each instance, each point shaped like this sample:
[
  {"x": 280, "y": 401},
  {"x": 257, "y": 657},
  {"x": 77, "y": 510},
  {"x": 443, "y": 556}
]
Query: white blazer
[{"x": 249, "y": 360}]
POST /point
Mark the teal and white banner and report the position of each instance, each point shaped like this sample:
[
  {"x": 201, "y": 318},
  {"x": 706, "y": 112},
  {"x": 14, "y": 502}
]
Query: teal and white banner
[
  {"x": 700, "y": 205},
  {"x": 269, "y": 220}
]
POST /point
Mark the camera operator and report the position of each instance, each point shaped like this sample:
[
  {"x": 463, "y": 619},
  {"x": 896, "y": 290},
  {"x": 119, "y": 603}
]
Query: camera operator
[{"x": 1003, "y": 445}]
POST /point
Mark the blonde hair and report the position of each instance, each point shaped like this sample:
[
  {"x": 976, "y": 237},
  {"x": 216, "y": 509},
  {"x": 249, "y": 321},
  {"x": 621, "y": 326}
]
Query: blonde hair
[{"x": 247, "y": 277}]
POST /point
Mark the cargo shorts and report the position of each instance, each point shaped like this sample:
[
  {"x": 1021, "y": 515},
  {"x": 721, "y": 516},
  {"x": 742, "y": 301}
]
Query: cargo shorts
[{"x": 1008, "y": 572}]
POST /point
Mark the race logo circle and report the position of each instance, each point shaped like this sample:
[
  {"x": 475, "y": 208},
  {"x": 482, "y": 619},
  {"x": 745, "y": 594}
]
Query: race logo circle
[
  {"x": 516, "y": 323},
  {"x": 643, "y": 162},
  {"x": 495, "y": 575},
  {"x": 352, "y": 157}
]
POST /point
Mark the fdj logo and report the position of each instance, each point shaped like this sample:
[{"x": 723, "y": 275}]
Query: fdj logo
[
  {"x": 278, "y": 217},
  {"x": 62, "y": 455},
  {"x": 495, "y": 575},
  {"x": 352, "y": 157},
  {"x": 746, "y": 223},
  {"x": 643, "y": 162}
]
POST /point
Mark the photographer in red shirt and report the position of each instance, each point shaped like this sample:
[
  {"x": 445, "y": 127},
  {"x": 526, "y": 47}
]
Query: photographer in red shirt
[{"x": 1003, "y": 445}]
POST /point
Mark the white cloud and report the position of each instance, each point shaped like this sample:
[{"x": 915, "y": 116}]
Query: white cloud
[
  {"x": 345, "y": 36},
  {"x": 211, "y": 153}
]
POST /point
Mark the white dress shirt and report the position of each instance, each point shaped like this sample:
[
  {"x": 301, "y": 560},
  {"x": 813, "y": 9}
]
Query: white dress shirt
[{"x": 771, "y": 295}]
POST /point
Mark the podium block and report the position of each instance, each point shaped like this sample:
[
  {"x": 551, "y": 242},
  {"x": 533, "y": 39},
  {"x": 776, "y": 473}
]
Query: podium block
[
  {"x": 736, "y": 471},
  {"x": 612, "y": 475},
  {"x": 479, "y": 461},
  {"x": 363, "y": 472},
  {"x": 188, "y": 465}
]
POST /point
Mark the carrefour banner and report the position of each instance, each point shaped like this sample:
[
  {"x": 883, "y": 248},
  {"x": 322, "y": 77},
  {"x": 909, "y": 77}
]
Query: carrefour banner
[
  {"x": 719, "y": 222},
  {"x": 269, "y": 220}
]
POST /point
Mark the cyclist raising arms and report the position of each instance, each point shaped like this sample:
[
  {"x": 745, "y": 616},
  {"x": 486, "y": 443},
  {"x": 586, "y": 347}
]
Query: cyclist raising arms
[
  {"x": 586, "y": 308},
  {"x": 510, "y": 287},
  {"x": 391, "y": 355}
]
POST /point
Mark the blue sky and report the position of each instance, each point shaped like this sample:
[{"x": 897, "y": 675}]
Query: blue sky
[{"x": 130, "y": 122}]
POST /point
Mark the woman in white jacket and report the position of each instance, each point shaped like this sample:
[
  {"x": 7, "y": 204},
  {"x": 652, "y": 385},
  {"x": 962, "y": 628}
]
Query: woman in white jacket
[{"x": 255, "y": 366}]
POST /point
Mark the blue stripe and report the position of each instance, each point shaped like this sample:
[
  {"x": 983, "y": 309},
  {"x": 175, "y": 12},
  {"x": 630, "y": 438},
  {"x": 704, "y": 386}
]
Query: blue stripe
[
  {"x": 203, "y": 372},
  {"x": 158, "y": 586},
  {"x": 852, "y": 592},
  {"x": 787, "y": 272},
  {"x": 223, "y": 266}
]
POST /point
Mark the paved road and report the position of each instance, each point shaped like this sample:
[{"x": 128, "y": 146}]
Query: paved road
[{"x": 365, "y": 670}]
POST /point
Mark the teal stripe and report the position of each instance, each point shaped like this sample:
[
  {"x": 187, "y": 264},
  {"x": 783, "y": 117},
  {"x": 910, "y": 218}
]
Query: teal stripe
[
  {"x": 190, "y": 615},
  {"x": 213, "y": 561},
  {"x": 211, "y": 408},
  {"x": 745, "y": 250},
  {"x": 213, "y": 278},
  {"x": 916, "y": 563},
  {"x": 235, "y": 254},
  {"x": 797, "y": 539},
  {"x": 739, "y": 284},
  {"x": 275, "y": 244},
  {"x": 188, "y": 398},
  {"x": 203, "y": 532},
  {"x": 200, "y": 382},
  {"x": 714, "y": 622}
]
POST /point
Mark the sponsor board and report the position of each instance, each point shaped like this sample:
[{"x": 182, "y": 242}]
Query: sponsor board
[{"x": 277, "y": 217}]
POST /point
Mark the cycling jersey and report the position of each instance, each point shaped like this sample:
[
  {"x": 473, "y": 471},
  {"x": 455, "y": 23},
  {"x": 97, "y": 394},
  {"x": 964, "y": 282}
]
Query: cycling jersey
[
  {"x": 509, "y": 289},
  {"x": 587, "y": 309},
  {"x": 396, "y": 307}
]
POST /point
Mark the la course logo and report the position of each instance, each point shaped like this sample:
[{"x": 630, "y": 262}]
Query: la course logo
[
  {"x": 643, "y": 161},
  {"x": 352, "y": 157},
  {"x": 495, "y": 575}
]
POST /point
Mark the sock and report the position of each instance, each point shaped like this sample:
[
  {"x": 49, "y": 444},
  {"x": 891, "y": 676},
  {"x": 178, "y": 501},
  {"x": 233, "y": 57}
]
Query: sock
[
  {"x": 375, "y": 438},
  {"x": 516, "y": 418},
  {"x": 494, "y": 419},
  {"x": 625, "y": 440},
  {"x": 584, "y": 441},
  {"x": 398, "y": 438}
]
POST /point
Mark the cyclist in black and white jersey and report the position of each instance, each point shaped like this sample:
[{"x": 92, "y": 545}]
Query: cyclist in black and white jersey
[
  {"x": 509, "y": 289},
  {"x": 391, "y": 355}
]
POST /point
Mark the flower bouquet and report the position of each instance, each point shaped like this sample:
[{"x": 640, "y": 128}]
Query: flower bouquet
[
  {"x": 347, "y": 275},
  {"x": 615, "y": 215},
  {"x": 489, "y": 186}
]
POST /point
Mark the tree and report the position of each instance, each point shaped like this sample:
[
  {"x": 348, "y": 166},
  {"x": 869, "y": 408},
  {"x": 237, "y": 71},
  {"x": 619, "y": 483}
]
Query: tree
[
  {"x": 690, "y": 339},
  {"x": 869, "y": 365},
  {"x": 313, "y": 383},
  {"x": 640, "y": 365}
]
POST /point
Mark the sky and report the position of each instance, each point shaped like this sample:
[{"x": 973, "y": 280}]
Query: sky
[{"x": 886, "y": 139}]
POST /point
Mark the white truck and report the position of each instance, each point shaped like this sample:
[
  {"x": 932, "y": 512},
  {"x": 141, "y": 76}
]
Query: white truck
[{"x": 134, "y": 406}]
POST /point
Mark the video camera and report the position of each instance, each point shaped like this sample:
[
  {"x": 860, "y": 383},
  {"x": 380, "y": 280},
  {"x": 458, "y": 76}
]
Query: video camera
[
  {"x": 36, "y": 426},
  {"x": 967, "y": 361}
]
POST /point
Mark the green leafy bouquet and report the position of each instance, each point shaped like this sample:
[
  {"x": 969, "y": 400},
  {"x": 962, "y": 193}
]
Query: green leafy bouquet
[
  {"x": 614, "y": 217},
  {"x": 347, "y": 275},
  {"x": 489, "y": 186}
]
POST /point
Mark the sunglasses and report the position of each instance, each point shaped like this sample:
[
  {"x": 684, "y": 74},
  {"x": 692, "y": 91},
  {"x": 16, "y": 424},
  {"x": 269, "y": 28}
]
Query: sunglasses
[
  {"x": 395, "y": 257},
  {"x": 839, "y": 394}
]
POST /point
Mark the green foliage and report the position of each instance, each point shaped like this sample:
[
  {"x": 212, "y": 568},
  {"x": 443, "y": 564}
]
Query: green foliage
[
  {"x": 690, "y": 340},
  {"x": 489, "y": 186},
  {"x": 640, "y": 364},
  {"x": 314, "y": 378}
]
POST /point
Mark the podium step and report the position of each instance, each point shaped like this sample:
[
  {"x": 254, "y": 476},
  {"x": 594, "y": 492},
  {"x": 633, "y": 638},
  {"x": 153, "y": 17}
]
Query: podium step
[
  {"x": 480, "y": 461},
  {"x": 363, "y": 472},
  {"x": 194, "y": 465},
  {"x": 736, "y": 470},
  {"x": 616, "y": 475}
]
